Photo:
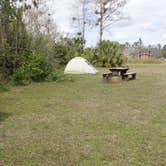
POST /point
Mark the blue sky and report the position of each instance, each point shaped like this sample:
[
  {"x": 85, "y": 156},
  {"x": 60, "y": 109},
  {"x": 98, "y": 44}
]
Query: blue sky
[{"x": 146, "y": 20}]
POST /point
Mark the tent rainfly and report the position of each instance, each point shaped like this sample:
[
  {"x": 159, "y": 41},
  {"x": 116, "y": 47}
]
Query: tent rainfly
[{"x": 79, "y": 65}]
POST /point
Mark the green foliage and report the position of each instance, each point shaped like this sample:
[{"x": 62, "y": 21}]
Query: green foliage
[
  {"x": 55, "y": 76},
  {"x": 3, "y": 88},
  {"x": 65, "y": 49},
  {"x": 59, "y": 76},
  {"x": 109, "y": 53},
  {"x": 9, "y": 64},
  {"x": 38, "y": 68},
  {"x": 14, "y": 37},
  {"x": 20, "y": 77},
  {"x": 89, "y": 54}
]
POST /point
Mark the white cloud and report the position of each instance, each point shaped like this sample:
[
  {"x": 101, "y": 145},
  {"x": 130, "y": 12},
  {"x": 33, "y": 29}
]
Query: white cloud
[
  {"x": 62, "y": 10},
  {"x": 146, "y": 21},
  {"x": 147, "y": 25},
  {"x": 164, "y": 36}
]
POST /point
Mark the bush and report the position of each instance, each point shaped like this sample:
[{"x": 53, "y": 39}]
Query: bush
[
  {"x": 21, "y": 77},
  {"x": 66, "y": 49},
  {"x": 9, "y": 64},
  {"x": 59, "y": 76},
  {"x": 109, "y": 53},
  {"x": 36, "y": 69},
  {"x": 89, "y": 54},
  {"x": 3, "y": 88}
]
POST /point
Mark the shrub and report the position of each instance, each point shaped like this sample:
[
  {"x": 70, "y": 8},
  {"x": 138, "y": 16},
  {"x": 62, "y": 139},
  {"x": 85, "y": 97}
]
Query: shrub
[
  {"x": 3, "y": 88},
  {"x": 38, "y": 68},
  {"x": 20, "y": 77},
  {"x": 109, "y": 53},
  {"x": 65, "y": 49},
  {"x": 59, "y": 76},
  {"x": 9, "y": 64},
  {"x": 89, "y": 54}
]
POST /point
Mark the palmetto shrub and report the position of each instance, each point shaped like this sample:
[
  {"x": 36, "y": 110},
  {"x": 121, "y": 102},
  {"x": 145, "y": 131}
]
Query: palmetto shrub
[{"x": 109, "y": 53}]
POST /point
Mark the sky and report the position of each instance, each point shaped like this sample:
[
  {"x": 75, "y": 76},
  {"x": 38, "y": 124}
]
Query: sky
[{"x": 146, "y": 19}]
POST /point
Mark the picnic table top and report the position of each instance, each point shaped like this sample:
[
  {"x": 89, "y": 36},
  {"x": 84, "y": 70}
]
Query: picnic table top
[{"x": 118, "y": 68}]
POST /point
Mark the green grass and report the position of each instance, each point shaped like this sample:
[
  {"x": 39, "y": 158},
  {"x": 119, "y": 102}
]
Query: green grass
[{"x": 85, "y": 122}]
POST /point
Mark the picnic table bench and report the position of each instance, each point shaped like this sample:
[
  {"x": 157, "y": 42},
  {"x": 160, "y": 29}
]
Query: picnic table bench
[
  {"x": 106, "y": 76},
  {"x": 129, "y": 76}
]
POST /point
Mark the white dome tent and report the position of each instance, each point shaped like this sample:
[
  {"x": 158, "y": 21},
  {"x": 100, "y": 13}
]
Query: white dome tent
[{"x": 79, "y": 65}]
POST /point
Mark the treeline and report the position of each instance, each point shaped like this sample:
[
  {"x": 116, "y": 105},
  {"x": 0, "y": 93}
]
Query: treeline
[{"x": 138, "y": 49}]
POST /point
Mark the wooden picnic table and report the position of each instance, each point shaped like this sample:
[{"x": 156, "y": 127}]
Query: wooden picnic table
[
  {"x": 118, "y": 74},
  {"x": 116, "y": 71}
]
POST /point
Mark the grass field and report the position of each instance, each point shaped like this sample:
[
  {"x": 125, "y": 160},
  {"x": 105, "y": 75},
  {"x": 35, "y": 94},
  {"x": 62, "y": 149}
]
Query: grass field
[{"x": 85, "y": 122}]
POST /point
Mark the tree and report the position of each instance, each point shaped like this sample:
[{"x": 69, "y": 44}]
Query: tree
[
  {"x": 138, "y": 47},
  {"x": 128, "y": 49},
  {"x": 164, "y": 51},
  {"x": 81, "y": 19},
  {"x": 17, "y": 42},
  {"x": 159, "y": 48},
  {"x": 39, "y": 20},
  {"x": 65, "y": 49},
  {"x": 107, "y": 12},
  {"x": 14, "y": 40},
  {"x": 13, "y": 34},
  {"x": 41, "y": 28}
]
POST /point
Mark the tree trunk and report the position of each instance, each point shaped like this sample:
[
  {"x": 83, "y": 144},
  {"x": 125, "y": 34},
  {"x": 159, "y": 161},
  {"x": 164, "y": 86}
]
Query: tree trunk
[
  {"x": 103, "y": 63},
  {"x": 101, "y": 23},
  {"x": 101, "y": 33},
  {"x": 83, "y": 21}
]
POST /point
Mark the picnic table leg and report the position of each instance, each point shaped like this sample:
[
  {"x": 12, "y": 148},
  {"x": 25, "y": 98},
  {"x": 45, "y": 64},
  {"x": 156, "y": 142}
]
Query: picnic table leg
[
  {"x": 126, "y": 78},
  {"x": 134, "y": 76},
  {"x": 123, "y": 77}
]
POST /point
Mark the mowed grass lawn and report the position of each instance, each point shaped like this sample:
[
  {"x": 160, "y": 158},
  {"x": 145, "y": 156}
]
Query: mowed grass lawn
[{"x": 85, "y": 122}]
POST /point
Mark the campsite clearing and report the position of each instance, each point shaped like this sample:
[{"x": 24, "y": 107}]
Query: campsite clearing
[{"x": 85, "y": 122}]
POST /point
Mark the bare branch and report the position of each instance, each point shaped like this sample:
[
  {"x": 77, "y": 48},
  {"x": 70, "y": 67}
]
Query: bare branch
[{"x": 108, "y": 11}]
